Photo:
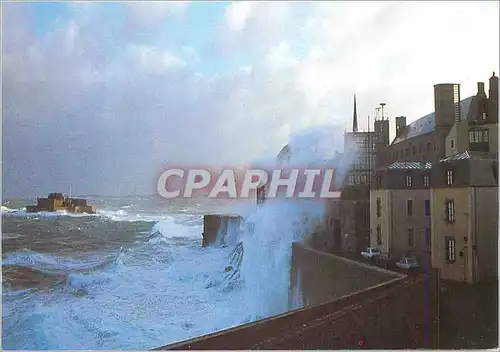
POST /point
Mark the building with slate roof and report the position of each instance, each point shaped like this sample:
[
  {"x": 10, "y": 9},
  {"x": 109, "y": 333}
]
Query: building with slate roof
[
  {"x": 442, "y": 161},
  {"x": 464, "y": 221},
  {"x": 425, "y": 138},
  {"x": 400, "y": 212}
]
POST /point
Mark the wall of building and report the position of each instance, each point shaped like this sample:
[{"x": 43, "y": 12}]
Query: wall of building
[
  {"x": 428, "y": 147},
  {"x": 395, "y": 222},
  {"x": 459, "y": 134},
  {"x": 485, "y": 208},
  {"x": 459, "y": 230},
  {"x": 402, "y": 222},
  {"x": 492, "y": 128},
  {"x": 384, "y": 220},
  {"x": 353, "y": 218}
]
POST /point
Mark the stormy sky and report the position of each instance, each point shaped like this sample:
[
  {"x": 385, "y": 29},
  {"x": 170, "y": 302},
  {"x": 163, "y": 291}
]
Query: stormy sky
[{"x": 102, "y": 97}]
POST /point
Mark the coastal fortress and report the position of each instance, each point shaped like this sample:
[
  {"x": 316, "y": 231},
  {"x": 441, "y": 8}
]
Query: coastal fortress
[{"x": 57, "y": 202}]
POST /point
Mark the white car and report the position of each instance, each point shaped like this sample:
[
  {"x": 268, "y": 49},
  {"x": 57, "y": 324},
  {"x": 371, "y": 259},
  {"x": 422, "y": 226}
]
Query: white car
[
  {"x": 407, "y": 263},
  {"x": 370, "y": 253}
]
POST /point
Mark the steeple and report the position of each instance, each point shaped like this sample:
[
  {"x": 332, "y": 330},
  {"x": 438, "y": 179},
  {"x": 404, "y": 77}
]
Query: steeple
[{"x": 355, "y": 117}]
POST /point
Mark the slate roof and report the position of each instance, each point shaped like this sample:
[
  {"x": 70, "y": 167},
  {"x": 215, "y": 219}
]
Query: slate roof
[
  {"x": 467, "y": 155},
  {"x": 427, "y": 123},
  {"x": 410, "y": 165}
]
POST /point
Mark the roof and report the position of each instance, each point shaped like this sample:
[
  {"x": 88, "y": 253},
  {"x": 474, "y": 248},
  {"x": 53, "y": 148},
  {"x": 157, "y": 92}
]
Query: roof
[
  {"x": 427, "y": 123},
  {"x": 410, "y": 165},
  {"x": 470, "y": 155}
]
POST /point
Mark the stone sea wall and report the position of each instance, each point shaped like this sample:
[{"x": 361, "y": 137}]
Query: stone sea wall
[{"x": 349, "y": 306}]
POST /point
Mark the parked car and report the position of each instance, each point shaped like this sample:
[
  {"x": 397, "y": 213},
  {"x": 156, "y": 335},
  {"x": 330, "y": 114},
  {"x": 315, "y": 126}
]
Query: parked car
[
  {"x": 408, "y": 263},
  {"x": 370, "y": 252}
]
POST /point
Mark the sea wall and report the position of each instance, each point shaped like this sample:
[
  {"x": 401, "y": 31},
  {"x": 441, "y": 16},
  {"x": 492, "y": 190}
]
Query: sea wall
[
  {"x": 215, "y": 227},
  {"x": 397, "y": 313},
  {"x": 322, "y": 277}
]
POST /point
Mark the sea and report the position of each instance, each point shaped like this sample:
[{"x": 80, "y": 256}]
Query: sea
[{"x": 135, "y": 276}]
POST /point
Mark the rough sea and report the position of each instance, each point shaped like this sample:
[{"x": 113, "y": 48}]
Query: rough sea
[{"x": 134, "y": 275}]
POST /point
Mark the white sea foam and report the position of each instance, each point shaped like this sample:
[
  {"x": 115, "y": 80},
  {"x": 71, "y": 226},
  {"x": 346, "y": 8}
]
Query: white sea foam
[{"x": 165, "y": 288}]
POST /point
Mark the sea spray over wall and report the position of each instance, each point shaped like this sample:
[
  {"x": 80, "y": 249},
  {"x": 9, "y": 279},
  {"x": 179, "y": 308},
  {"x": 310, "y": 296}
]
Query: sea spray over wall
[{"x": 265, "y": 266}]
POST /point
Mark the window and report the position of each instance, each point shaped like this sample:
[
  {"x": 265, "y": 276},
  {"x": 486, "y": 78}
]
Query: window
[
  {"x": 352, "y": 179},
  {"x": 379, "y": 235},
  {"x": 452, "y": 143},
  {"x": 408, "y": 181},
  {"x": 411, "y": 240},
  {"x": 426, "y": 181},
  {"x": 378, "y": 180},
  {"x": 479, "y": 135},
  {"x": 429, "y": 146},
  {"x": 420, "y": 148},
  {"x": 450, "y": 249},
  {"x": 450, "y": 210},
  {"x": 427, "y": 236},
  {"x": 449, "y": 177},
  {"x": 407, "y": 151},
  {"x": 484, "y": 116},
  {"x": 409, "y": 207},
  {"x": 494, "y": 168},
  {"x": 427, "y": 206},
  {"x": 379, "y": 207},
  {"x": 401, "y": 154},
  {"x": 414, "y": 150}
]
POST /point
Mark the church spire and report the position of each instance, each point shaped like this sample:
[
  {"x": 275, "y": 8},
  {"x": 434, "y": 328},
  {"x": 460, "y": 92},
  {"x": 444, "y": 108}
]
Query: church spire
[{"x": 355, "y": 117}]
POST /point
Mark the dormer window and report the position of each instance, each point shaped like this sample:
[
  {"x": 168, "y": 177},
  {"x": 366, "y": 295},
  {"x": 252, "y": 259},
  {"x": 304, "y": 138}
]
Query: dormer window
[
  {"x": 479, "y": 135},
  {"x": 408, "y": 181},
  {"x": 449, "y": 177},
  {"x": 426, "y": 181}
]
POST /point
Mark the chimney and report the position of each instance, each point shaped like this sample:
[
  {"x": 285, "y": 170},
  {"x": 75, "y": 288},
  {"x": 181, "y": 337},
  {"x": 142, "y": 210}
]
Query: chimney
[
  {"x": 480, "y": 90},
  {"x": 400, "y": 124},
  {"x": 493, "y": 93},
  {"x": 446, "y": 103},
  {"x": 355, "y": 117}
]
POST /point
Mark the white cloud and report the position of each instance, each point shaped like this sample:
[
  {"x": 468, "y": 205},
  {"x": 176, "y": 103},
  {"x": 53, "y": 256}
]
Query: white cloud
[
  {"x": 121, "y": 110},
  {"x": 253, "y": 26},
  {"x": 154, "y": 60},
  {"x": 237, "y": 14},
  {"x": 151, "y": 13}
]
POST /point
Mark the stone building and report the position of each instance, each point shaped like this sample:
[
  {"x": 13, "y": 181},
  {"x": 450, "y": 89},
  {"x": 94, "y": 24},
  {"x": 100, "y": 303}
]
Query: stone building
[
  {"x": 347, "y": 219},
  {"x": 425, "y": 138},
  {"x": 363, "y": 147},
  {"x": 400, "y": 210},
  {"x": 479, "y": 131},
  {"x": 464, "y": 223},
  {"x": 458, "y": 133}
]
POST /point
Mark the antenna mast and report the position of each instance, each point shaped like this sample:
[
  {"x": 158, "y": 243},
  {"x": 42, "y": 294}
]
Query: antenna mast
[{"x": 382, "y": 107}]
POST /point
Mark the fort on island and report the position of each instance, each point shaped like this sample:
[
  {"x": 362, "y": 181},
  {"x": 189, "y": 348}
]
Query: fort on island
[
  {"x": 57, "y": 202},
  {"x": 430, "y": 193}
]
